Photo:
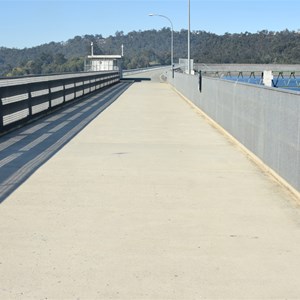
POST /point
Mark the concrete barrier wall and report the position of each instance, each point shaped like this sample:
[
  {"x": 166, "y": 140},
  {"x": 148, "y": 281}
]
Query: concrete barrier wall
[{"x": 265, "y": 120}]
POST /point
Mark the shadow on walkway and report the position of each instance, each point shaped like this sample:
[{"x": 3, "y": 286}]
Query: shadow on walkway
[
  {"x": 136, "y": 79},
  {"x": 23, "y": 151}
]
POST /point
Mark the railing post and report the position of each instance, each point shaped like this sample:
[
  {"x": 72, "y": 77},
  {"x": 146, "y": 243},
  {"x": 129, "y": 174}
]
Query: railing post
[
  {"x": 64, "y": 92},
  {"x": 200, "y": 81},
  {"x": 49, "y": 95},
  {"x": 82, "y": 86},
  {"x": 75, "y": 88},
  {"x": 29, "y": 100},
  {"x": 1, "y": 111}
]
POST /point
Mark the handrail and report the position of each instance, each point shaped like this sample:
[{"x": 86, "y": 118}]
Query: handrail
[{"x": 24, "y": 99}]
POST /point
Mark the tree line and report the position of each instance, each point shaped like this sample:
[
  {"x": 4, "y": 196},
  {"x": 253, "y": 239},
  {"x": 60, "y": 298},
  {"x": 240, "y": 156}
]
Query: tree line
[{"x": 152, "y": 47}]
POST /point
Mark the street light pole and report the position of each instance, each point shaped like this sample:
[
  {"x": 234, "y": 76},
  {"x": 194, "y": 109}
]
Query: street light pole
[
  {"x": 189, "y": 38},
  {"x": 172, "y": 39}
]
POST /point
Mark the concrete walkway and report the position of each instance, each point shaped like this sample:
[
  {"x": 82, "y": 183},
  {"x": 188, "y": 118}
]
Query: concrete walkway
[{"x": 149, "y": 202}]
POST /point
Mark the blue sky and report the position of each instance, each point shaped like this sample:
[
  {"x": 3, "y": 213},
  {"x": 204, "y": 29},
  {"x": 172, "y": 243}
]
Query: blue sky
[{"x": 26, "y": 23}]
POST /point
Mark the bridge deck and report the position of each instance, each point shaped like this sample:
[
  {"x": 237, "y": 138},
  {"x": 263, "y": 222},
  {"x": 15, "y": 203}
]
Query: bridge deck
[{"x": 149, "y": 202}]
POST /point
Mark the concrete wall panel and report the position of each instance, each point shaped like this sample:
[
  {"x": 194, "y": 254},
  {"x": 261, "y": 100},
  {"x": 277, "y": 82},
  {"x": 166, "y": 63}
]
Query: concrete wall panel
[{"x": 265, "y": 120}]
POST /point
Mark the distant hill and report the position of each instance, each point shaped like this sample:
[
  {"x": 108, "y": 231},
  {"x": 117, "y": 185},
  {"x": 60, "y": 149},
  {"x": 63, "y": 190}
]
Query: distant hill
[{"x": 144, "y": 48}]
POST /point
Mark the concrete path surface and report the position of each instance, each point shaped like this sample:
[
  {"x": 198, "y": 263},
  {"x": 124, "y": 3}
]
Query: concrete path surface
[{"x": 149, "y": 202}]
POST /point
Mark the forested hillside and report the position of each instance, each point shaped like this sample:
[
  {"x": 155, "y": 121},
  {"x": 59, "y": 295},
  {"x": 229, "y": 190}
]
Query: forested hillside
[{"x": 144, "y": 48}]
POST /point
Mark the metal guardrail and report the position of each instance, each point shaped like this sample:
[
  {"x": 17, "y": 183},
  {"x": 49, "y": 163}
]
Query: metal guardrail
[
  {"x": 22, "y": 100},
  {"x": 281, "y": 79}
]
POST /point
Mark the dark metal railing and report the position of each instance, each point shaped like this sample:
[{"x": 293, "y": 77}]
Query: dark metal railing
[
  {"x": 24, "y": 100},
  {"x": 281, "y": 79}
]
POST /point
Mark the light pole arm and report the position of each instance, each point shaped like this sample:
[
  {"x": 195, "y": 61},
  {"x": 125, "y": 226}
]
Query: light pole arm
[
  {"x": 165, "y": 18},
  {"x": 172, "y": 36}
]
